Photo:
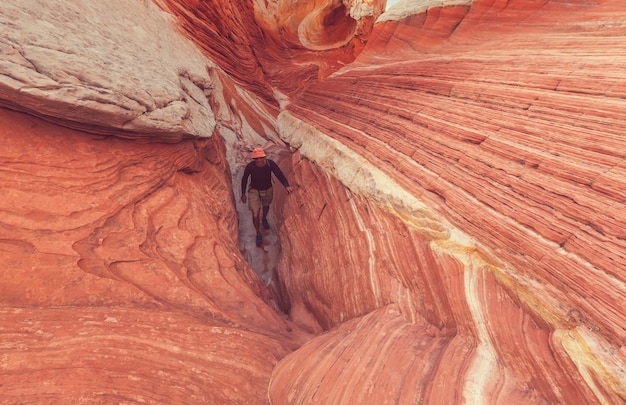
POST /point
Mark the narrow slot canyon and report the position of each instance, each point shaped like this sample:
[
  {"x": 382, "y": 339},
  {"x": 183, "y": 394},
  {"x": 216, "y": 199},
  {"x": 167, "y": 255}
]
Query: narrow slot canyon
[
  {"x": 455, "y": 234},
  {"x": 264, "y": 259}
]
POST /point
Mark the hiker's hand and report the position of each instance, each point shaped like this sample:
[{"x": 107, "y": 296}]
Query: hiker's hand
[
  {"x": 289, "y": 189},
  {"x": 243, "y": 198}
]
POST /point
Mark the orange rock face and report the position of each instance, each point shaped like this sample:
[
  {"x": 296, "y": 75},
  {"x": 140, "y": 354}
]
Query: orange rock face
[
  {"x": 278, "y": 45},
  {"x": 486, "y": 130},
  {"x": 456, "y": 234},
  {"x": 115, "y": 271}
]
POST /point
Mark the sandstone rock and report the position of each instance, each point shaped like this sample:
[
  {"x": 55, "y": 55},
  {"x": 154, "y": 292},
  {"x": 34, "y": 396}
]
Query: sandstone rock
[
  {"x": 121, "y": 268},
  {"x": 484, "y": 130},
  {"x": 456, "y": 234},
  {"x": 89, "y": 65},
  {"x": 278, "y": 47}
]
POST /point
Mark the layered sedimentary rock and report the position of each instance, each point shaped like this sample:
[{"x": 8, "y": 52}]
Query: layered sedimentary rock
[
  {"x": 118, "y": 284},
  {"x": 490, "y": 137},
  {"x": 456, "y": 234},
  {"x": 121, "y": 278},
  {"x": 278, "y": 46}
]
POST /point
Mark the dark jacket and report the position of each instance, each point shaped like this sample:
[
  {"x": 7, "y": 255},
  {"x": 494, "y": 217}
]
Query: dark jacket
[{"x": 261, "y": 177}]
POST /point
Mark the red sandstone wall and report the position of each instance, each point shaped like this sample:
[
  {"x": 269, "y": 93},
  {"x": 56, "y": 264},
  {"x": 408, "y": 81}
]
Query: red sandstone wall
[
  {"x": 121, "y": 277},
  {"x": 480, "y": 260},
  {"x": 277, "y": 45},
  {"x": 505, "y": 119}
]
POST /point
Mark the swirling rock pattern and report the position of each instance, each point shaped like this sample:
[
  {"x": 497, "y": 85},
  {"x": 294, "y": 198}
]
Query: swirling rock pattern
[
  {"x": 278, "y": 46},
  {"x": 456, "y": 234},
  {"x": 491, "y": 132},
  {"x": 117, "y": 283}
]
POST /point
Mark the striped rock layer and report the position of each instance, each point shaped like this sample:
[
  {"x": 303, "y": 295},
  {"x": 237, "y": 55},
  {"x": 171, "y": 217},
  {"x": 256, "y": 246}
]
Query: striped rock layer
[{"x": 456, "y": 234}]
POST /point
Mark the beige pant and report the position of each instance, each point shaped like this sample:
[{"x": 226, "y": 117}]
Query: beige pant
[{"x": 260, "y": 198}]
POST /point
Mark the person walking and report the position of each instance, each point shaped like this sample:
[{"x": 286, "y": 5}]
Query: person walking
[{"x": 260, "y": 193}]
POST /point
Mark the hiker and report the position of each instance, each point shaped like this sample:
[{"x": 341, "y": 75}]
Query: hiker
[{"x": 260, "y": 193}]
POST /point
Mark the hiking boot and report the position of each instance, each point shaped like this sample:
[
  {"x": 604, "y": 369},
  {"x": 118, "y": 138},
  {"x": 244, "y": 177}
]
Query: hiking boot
[
  {"x": 266, "y": 224},
  {"x": 259, "y": 239}
]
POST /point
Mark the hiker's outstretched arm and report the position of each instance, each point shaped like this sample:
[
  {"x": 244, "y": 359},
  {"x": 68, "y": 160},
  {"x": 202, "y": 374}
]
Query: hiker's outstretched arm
[{"x": 279, "y": 174}]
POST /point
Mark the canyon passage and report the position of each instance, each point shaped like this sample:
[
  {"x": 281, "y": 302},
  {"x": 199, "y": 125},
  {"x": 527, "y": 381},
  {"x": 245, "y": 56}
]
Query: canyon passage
[{"x": 456, "y": 233}]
